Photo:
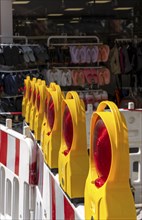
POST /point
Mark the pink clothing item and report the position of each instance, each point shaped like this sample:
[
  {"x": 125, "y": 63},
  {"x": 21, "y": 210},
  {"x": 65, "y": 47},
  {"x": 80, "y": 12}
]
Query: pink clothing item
[
  {"x": 103, "y": 53},
  {"x": 104, "y": 95},
  {"x": 94, "y": 54},
  {"x": 81, "y": 78},
  {"x": 103, "y": 76},
  {"x": 88, "y": 76},
  {"x": 82, "y": 54},
  {"x": 95, "y": 76},
  {"x": 63, "y": 79},
  {"x": 89, "y": 98},
  {"x": 68, "y": 78},
  {"x": 75, "y": 77},
  {"x": 74, "y": 52},
  {"x": 101, "y": 80},
  {"x": 106, "y": 74},
  {"x": 88, "y": 55}
]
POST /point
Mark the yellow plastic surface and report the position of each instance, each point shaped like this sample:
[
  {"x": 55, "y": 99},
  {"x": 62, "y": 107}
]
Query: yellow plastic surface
[
  {"x": 114, "y": 199},
  {"x": 73, "y": 168},
  {"x": 39, "y": 111},
  {"x": 29, "y": 103},
  {"x": 33, "y": 109},
  {"x": 26, "y": 94},
  {"x": 51, "y": 137}
]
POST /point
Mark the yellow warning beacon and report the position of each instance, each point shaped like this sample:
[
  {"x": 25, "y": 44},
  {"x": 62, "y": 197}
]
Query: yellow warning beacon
[
  {"x": 107, "y": 191},
  {"x": 40, "y": 99},
  {"x": 29, "y": 103},
  {"x": 52, "y": 131},
  {"x": 44, "y": 123},
  {"x": 73, "y": 156},
  {"x": 33, "y": 109},
  {"x": 26, "y": 95}
]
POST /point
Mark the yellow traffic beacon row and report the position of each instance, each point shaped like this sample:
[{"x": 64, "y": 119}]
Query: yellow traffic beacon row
[{"x": 101, "y": 178}]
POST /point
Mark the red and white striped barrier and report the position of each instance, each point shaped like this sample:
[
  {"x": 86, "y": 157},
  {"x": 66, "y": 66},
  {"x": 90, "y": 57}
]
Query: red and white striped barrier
[
  {"x": 18, "y": 162},
  {"x": 16, "y": 152}
]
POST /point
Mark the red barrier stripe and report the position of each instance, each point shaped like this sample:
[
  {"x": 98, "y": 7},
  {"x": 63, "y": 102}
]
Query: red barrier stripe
[
  {"x": 53, "y": 209},
  {"x": 68, "y": 210},
  {"x": 3, "y": 147},
  {"x": 17, "y": 156}
]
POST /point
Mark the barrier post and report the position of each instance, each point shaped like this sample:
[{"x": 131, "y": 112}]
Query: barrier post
[{"x": 107, "y": 191}]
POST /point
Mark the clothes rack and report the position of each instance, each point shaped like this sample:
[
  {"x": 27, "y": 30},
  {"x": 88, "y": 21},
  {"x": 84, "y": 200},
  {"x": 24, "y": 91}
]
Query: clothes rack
[
  {"x": 97, "y": 40},
  {"x": 18, "y": 45},
  {"x": 18, "y": 71},
  {"x": 78, "y": 67},
  {"x": 15, "y": 37}
]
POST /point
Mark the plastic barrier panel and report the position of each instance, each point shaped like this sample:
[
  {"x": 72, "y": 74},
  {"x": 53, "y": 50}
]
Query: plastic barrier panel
[
  {"x": 30, "y": 100},
  {"x": 134, "y": 124},
  {"x": 14, "y": 196},
  {"x": 52, "y": 126},
  {"x": 40, "y": 100},
  {"x": 34, "y": 101},
  {"x": 73, "y": 156},
  {"x": 26, "y": 95},
  {"x": 54, "y": 203},
  {"x": 107, "y": 191},
  {"x": 13, "y": 146}
]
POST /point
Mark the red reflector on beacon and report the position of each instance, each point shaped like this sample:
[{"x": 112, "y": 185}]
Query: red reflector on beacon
[
  {"x": 67, "y": 129},
  {"x": 50, "y": 113},
  {"x": 102, "y": 152}
]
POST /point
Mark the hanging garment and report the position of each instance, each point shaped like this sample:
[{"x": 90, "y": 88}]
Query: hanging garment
[
  {"x": 121, "y": 60},
  {"x": 68, "y": 78},
  {"x": 94, "y": 54},
  {"x": 7, "y": 53},
  {"x": 10, "y": 84},
  {"x": 103, "y": 53},
  {"x": 88, "y": 55},
  {"x": 81, "y": 78},
  {"x": 74, "y": 53},
  {"x": 128, "y": 67},
  {"x": 88, "y": 76},
  {"x": 139, "y": 58},
  {"x": 114, "y": 61},
  {"x": 82, "y": 54},
  {"x": 2, "y": 61}
]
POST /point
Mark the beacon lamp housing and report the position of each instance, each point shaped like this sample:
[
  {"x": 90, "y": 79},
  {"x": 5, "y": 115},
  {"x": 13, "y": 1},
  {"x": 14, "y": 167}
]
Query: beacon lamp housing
[
  {"x": 40, "y": 100},
  {"x": 52, "y": 134},
  {"x": 33, "y": 109},
  {"x": 44, "y": 123},
  {"x": 26, "y": 95},
  {"x": 113, "y": 200},
  {"x": 29, "y": 103},
  {"x": 73, "y": 155}
]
